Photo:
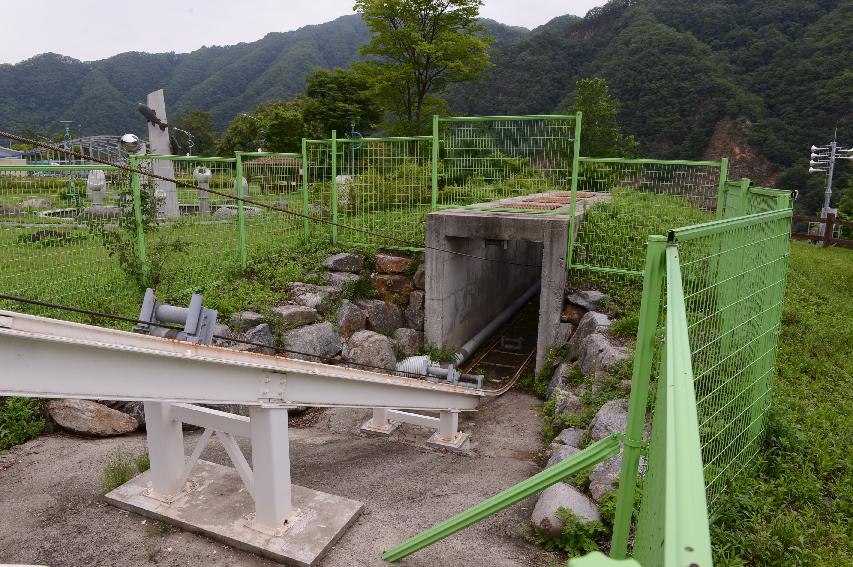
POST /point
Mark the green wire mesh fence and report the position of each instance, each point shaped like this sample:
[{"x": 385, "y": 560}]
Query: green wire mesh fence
[
  {"x": 642, "y": 197},
  {"x": 730, "y": 278},
  {"x": 197, "y": 248},
  {"x": 384, "y": 187},
  {"x": 275, "y": 180},
  {"x": 52, "y": 237},
  {"x": 486, "y": 158}
]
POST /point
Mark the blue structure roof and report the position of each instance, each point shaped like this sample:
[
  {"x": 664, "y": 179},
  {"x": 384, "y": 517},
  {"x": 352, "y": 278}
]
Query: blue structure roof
[{"x": 9, "y": 153}]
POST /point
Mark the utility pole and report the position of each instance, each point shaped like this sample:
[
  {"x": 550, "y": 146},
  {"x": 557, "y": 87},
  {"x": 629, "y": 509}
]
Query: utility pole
[{"x": 823, "y": 161}]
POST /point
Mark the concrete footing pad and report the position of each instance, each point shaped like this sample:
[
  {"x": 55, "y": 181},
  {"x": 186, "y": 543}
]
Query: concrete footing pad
[
  {"x": 460, "y": 443},
  {"x": 372, "y": 429},
  {"x": 217, "y": 505}
]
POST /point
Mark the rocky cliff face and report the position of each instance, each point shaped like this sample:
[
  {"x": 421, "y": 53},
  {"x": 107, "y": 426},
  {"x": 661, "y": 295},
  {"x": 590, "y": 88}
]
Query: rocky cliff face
[{"x": 731, "y": 140}]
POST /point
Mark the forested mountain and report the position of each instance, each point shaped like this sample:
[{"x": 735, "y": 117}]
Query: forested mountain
[
  {"x": 101, "y": 96},
  {"x": 756, "y": 80}
]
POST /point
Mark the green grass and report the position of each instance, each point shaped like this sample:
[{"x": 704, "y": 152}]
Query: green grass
[
  {"x": 121, "y": 467},
  {"x": 21, "y": 419},
  {"x": 794, "y": 508}
]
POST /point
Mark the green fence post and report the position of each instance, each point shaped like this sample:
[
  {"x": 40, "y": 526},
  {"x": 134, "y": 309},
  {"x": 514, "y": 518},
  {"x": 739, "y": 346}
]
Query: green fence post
[
  {"x": 136, "y": 188},
  {"x": 434, "y": 162},
  {"x": 306, "y": 223},
  {"x": 334, "y": 187},
  {"x": 721, "y": 191},
  {"x": 643, "y": 359},
  {"x": 576, "y": 156},
  {"x": 241, "y": 212},
  {"x": 743, "y": 197}
]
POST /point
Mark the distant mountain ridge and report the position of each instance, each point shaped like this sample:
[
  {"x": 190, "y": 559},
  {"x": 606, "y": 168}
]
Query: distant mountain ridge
[
  {"x": 101, "y": 96},
  {"x": 754, "y": 80}
]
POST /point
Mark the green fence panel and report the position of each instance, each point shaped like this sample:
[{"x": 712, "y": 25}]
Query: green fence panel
[
  {"x": 273, "y": 179},
  {"x": 734, "y": 279},
  {"x": 486, "y": 158},
  {"x": 200, "y": 248},
  {"x": 52, "y": 238},
  {"x": 624, "y": 201}
]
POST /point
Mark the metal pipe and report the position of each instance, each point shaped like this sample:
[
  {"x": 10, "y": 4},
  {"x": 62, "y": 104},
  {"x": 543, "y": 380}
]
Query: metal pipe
[{"x": 474, "y": 342}]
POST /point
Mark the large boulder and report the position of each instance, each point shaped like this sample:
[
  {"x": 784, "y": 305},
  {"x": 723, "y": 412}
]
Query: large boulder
[
  {"x": 243, "y": 320},
  {"x": 317, "y": 297},
  {"x": 313, "y": 342},
  {"x": 223, "y": 335},
  {"x": 36, "y": 204},
  {"x": 408, "y": 341},
  {"x": 382, "y": 317},
  {"x": 592, "y": 322},
  {"x": 561, "y": 453},
  {"x": 414, "y": 312},
  {"x": 351, "y": 319},
  {"x": 597, "y": 352},
  {"x": 394, "y": 288},
  {"x": 339, "y": 280},
  {"x": 392, "y": 264},
  {"x": 9, "y": 211},
  {"x": 295, "y": 315},
  {"x": 136, "y": 410},
  {"x": 261, "y": 335},
  {"x": 567, "y": 402},
  {"x": 558, "y": 496},
  {"x": 570, "y": 436},
  {"x": 612, "y": 417},
  {"x": 90, "y": 418},
  {"x": 558, "y": 379},
  {"x": 370, "y": 349},
  {"x": 604, "y": 477},
  {"x": 590, "y": 300},
  {"x": 344, "y": 262}
]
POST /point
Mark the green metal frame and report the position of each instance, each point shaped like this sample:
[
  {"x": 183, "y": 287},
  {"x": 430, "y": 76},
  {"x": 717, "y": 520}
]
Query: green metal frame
[
  {"x": 640, "y": 379},
  {"x": 597, "y": 452},
  {"x": 241, "y": 213}
]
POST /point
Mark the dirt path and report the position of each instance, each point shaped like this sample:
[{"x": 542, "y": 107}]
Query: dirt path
[{"x": 52, "y": 513}]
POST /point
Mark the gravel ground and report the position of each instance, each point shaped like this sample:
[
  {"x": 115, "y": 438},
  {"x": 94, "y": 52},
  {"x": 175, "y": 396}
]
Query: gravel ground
[{"x": 52, "y": 512}]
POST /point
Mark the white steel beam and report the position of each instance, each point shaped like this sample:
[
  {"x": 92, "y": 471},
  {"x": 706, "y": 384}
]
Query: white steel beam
[
  {"x": 44, "y": 357},
  {"x": 212, "y": 419},
  {"x": 165, "y": 449}
]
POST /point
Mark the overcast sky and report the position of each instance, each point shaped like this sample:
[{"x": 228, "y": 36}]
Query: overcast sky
[{"x": 95, "y": 29}]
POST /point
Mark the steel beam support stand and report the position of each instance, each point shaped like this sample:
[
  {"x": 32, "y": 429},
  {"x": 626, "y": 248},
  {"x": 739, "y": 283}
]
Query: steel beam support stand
[
  {"x": 643, "y": 360},
  {"x": 271, "y": 466}
]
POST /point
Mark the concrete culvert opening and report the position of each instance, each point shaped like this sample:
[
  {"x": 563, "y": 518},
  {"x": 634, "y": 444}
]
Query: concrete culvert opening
[{"x": 482, "y": 264}]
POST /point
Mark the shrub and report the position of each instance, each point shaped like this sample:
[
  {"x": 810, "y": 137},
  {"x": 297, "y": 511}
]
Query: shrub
[{"x": 21, "y": 419}]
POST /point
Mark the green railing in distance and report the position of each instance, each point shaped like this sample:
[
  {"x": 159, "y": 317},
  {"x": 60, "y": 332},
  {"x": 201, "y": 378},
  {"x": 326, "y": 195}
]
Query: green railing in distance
[
  {"x": 275, "y": 180},
  {"x": 384, "y": 188},
  {"x": 485, "y": 158},
  {"x": 636, "y": 198},
  {"x": 51, "y": 238}
]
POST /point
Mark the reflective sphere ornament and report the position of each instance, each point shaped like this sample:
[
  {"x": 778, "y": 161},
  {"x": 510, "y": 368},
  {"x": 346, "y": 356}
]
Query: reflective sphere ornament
[{"x": 130, "y": 143}]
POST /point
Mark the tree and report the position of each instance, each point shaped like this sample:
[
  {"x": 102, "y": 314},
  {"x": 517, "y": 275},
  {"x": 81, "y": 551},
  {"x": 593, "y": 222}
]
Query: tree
[
  {"x": 243, "y": 134},
  {"x": 200, "y": 125},
  {"x": 273, "y": 127},
  {"x": 418, "y": 48},
  {"x": 333, "y": 98},
  {"x": 600, "y": 135}
]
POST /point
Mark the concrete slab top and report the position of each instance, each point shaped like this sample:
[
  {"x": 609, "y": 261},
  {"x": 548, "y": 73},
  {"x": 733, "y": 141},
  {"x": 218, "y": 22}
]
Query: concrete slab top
[
  {"x": 548, "y": 206},
  {"x": 217, "y": 505}
]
